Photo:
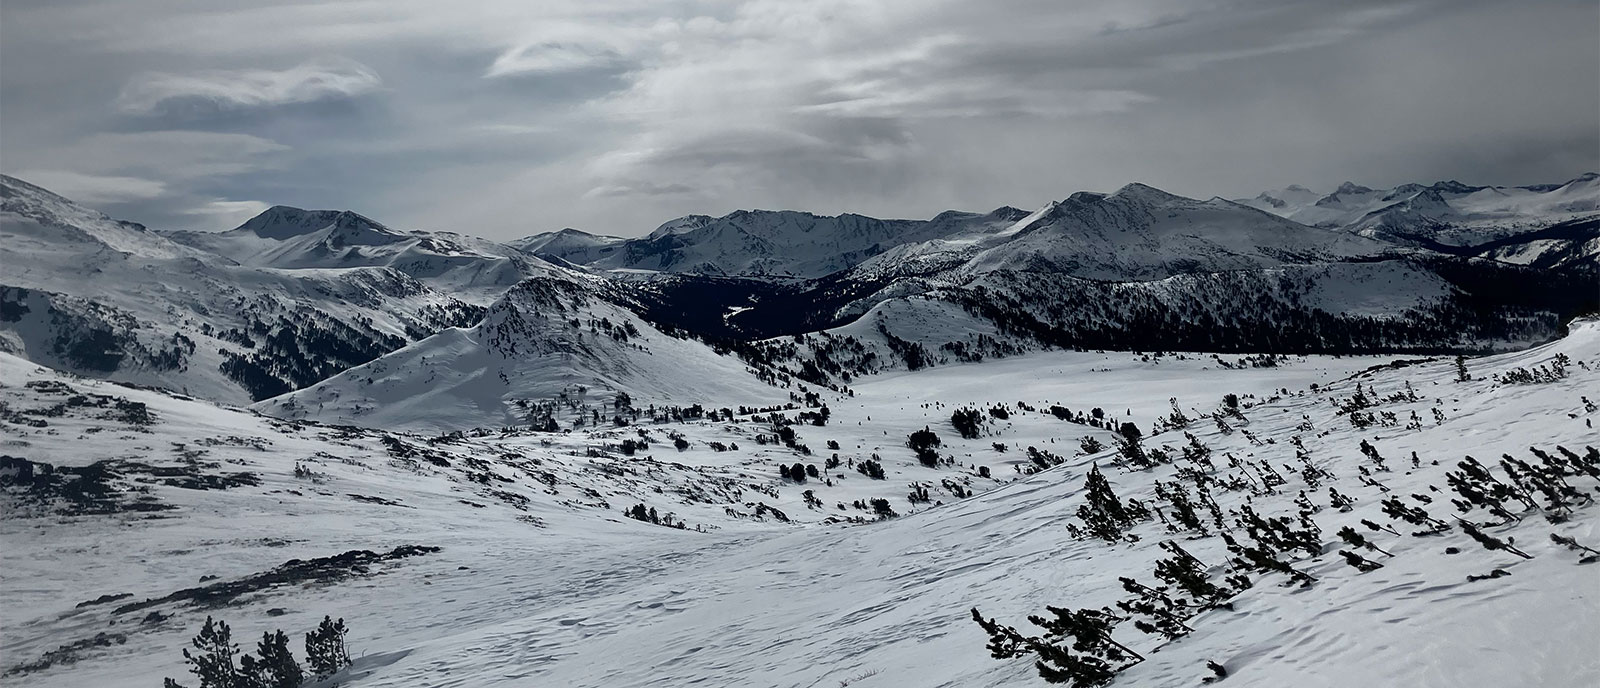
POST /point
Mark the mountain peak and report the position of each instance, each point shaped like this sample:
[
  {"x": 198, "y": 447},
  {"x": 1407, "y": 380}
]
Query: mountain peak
[
  {"x": 1137, "y": 191},
  {"x": 1351, "y": 188},
  {"x": 1453, "y": 186},
  {"x": 1085, "y": 197},
  {"x": 285, "y": 222}
]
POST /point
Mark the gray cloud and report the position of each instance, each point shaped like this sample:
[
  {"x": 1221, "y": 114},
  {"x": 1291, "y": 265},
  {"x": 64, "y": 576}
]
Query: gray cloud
[
  {"x": 502, "y": 118},
  {"x": 240, "y": 89},
  {"x": 95, "y": 188}
]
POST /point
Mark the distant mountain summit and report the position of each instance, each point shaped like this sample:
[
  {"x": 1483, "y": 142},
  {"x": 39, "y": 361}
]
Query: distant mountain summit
[
  {"x": 283, "y": 222},
  {"x": 568, "y": 245},
  {"x": 283, "y": 237}
]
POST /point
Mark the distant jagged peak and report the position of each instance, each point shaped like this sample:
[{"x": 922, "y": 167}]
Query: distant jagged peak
[
  {"x": 1351, "y": 188},
  {"x": 1084, "y": 198},
  {"x": 1007, "y": 212},
  {"x": 287, "y": 222},
  {"x": 1402, "y": 191},
  {"x": 1453, "y": 186},
  {"x": 687, "y": 223},
  {"x": 951, "y": 215},
  {"x": 1143, "y": 193},
  {"x": 574, "y": 232}
]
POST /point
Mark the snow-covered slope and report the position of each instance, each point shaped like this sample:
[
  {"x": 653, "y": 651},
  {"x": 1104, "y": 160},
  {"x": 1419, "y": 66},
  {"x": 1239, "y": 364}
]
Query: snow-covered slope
[
  {"x": 570, "y": 245},
  {"x": 539, "y": 580},
  {"x": 85, "y": 293},
  {"x": 1140, "y": 232},
  {"x": 544, "y": 339},
  {"x": 474, "y": 269}
]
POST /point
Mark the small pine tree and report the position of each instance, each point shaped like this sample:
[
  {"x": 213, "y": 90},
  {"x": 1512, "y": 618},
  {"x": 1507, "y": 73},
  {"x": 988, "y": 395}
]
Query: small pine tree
[
  {"x": 1090, "y": 445},
  {"x": 1461, "y": 369},
  {"x": 1360, "y": 563},
  {"x": 967, "y": 422},
  {"x": 213, "y": 658},
  {"x": 1186, "y": 573},
  {"x": 277, "y": 667},
  {"x": 1163, "y": 614},
  {"x": 1132, "y": 450},
  {"x": 924, "y": 442},
  {"x": 1076, "y": 649},
  {"x": 1104, "y": 516},
  {"x": 325, "y": 649}
]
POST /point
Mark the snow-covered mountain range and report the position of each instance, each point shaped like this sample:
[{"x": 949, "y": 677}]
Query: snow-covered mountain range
[
  {"x": 1447, "y": 212},
  {"x": 294, "y": 298},
  {"x": 474, "y": 269},
  {"x": 85, "y": 293}
]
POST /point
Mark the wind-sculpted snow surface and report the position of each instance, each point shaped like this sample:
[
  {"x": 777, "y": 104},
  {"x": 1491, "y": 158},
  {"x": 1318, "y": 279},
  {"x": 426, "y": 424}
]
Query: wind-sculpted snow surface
[{"x": 541, "y": 580}]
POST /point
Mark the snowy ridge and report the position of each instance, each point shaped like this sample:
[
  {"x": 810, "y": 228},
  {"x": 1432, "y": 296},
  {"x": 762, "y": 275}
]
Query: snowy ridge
[
  {"x": 569, "y": 245},
  {"x": 544, "y": 339},
  {"x": 476, "y": 270},
  {"x": 786, "y": 243},
  {"x": 1142, "y": 233}
]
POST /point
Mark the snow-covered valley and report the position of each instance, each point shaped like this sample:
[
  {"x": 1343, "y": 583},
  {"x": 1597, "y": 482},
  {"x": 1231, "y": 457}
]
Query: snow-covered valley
[{"x": 540, "y": 578}]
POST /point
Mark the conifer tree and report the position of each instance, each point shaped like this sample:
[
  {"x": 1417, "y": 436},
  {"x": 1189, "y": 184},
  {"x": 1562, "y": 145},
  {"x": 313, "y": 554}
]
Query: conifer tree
[
  {"x": 1076, "y": 649},
  {"x": 213, "y": 658},
  {"x": 276, "y": 667},
  {"x": 1104, "y": 516},
  {"x": 1361, "y": 563},
  {"x": 325, "y": 649},
  {"x": 1187, "y": 574},
  {"x": 1132, "y": 450}
]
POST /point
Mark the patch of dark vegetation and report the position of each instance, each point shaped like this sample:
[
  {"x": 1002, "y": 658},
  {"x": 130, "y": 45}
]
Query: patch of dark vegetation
[
  {"x": 189, "y": 476},
  {"x": 1393, "y": 365},
  {"x": 104, "y": 599},
  {"x": 377, "y": 500},
  {"x": 322, "y": 570},
  {"x": 301, "y": 348},
  {"x": 108, "y": 486},
  {"x": 66, "y": 655},
  {"x": 95, "y": 489},
  {"x": 117, "y": 409}
]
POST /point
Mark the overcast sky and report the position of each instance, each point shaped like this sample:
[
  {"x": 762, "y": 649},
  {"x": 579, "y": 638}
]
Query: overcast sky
[{"x": 508, "y": 117}]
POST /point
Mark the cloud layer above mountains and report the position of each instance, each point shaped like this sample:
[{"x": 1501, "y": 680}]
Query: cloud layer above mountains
[{"x": 506, "y": 118}]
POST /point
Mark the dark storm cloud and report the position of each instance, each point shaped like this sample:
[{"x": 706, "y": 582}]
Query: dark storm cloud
[{"x": 506, "y": 118}]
